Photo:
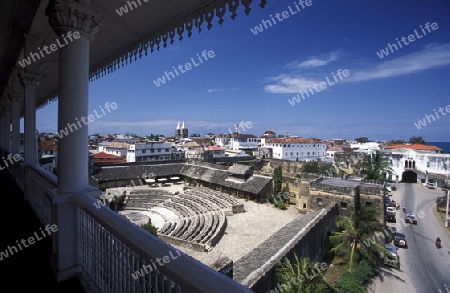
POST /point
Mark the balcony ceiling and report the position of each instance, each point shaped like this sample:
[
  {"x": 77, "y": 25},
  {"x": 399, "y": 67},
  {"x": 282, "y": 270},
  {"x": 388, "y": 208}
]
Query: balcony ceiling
[{"x": 120, "y": 40}]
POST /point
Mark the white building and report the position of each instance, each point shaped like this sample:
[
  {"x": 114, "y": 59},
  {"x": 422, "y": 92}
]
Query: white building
[
  {"x": 418, "y": 163},
  {"x": 114, "y": 148},
  {"x": 296, "y": 149},
  {"x": 332, "y": 151},
  {"x": 217, "y": 151},
  {"x": 151, "y": 151},
  {"x": 367, "y": 147},
  {"x": 237, "y": 141}
]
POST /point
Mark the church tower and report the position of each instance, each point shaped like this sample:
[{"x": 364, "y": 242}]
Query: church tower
[{"x": 181, "y": 131}]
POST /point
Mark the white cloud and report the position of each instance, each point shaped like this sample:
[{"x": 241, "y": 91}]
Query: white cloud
[
  {"x": 432, "y": 56},
  {"x": 316, "y": 60},
  {"x": 289, "y": 85},
  {"x": 213, "y": 90}
]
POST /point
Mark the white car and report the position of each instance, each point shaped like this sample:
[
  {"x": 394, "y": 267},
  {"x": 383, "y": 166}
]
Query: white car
[
  {"x": 431, "y": 185},
  {"x": 390, "y": 210}
]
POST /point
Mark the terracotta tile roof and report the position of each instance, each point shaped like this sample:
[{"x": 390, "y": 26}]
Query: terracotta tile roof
[
  {"x": 48, "y": 145},
  {"x": 416, "y": 146},
  {"x": 336, "y": 149},
  {"x": 294, "y": 140},
  {"x": 214, "y": 148}
]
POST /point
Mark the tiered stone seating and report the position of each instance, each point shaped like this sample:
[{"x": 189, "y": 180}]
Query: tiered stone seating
[{"x": 196, "y": 217}]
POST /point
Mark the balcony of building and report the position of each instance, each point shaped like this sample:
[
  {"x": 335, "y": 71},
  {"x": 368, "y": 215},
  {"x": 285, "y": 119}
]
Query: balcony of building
[{"x": 86, "y": 245}]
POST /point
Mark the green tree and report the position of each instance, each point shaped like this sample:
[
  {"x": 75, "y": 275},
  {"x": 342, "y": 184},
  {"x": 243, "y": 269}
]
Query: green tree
[
  {"x": 417, "y": 139},
  {"x": 356, "y": 238},
  {"x": 277, "y": 179},
  {"x": 362, "y": 139},
  {"x": 311, "y": 167},
  {"x": 397, "y": 141},
  {"x": 150, "y": 228},
  {"x": 302, "y": 276},
  {"x": 377, "y": 166}
]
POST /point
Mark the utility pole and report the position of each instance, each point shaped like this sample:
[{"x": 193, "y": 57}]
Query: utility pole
[{"x": 446, "y": 211}]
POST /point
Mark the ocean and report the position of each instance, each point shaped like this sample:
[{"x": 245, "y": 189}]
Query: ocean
[{"x": 445, "y": 146}]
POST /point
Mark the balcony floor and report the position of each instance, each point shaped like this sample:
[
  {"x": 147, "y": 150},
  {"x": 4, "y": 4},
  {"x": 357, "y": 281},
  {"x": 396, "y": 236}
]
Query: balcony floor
[{"x": 27, "y": 270}]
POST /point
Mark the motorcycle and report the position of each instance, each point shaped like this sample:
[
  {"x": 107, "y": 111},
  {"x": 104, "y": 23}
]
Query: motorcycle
[{"x": 438, "y": 242}]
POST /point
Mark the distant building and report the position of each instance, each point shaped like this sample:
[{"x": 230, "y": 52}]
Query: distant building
[
  {"x": 114, "y": 148},
  {"x": 237, "y": 141},
  {"x": 296, "y": 148},
  {"x": 151, "y": 151},
  {"x": 418, "y": 163},
  {"x": 104, "y": 158},
  {"x": 217, "y": 152},
  {"x": 181, "y": 131}
]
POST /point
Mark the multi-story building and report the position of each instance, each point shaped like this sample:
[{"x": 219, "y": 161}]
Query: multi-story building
[
  {"x": 237, "y": 141},
  {"x": 114, "y": 148},
  {"x": 151, "y": 151},
  {"x": 418, "y": 163},
  {"x": 296, "y": 148}
]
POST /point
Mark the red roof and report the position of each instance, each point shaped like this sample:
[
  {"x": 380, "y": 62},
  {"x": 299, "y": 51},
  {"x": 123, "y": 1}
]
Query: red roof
[
  {"x": 416, "y": 146},
  {"x": 108, "y": 158},
  {"x": 294, "y": 140},
  {"x": 214, "y": 148}
]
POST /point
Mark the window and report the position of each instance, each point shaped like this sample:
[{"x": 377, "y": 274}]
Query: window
[
  {"x": 144, "y": 151},
  {"x": 343, "y": 205},
  {"x": 319, "y": 201},
  {"x": 304, "y": 206},
  {"x": 368, "y": 203}
]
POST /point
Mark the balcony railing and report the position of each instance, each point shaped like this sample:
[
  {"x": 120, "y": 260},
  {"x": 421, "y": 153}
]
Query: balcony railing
[{"x": 115, "y": 255}]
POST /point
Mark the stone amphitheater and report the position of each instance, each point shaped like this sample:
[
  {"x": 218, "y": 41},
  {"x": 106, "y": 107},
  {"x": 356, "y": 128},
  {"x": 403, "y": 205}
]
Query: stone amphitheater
[{"x": 193, "y": 216}]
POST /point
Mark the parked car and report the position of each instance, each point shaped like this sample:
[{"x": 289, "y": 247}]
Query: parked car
[
  {"x": 390, "y": 210},
  {"x": 431, "y": 185},
  {"x": 411, "y": 218},
  {"x": 391, "y": 257},
  {"x": 391, "y": 219},
  {"x": 400, "y": 240}
]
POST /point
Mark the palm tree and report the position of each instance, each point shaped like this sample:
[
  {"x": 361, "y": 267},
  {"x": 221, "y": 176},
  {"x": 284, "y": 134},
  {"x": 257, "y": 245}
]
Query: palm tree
[
  {"x": 302, "y": 276},
  {"x": 377, "y": 166},
  {"x": 356, "y": 240}
]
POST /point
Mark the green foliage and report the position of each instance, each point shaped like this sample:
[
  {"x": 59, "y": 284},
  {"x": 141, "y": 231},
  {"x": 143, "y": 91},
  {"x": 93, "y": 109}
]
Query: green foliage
[
  {"x": 353, "y": 239},
  {"x": 150, "y": 228},
  {"x": 311, "y": 167},
  {"x": 301, "y": 276},
  {"x": 362, "y": 139},
  {"x": 102, "y": 186},
  {"x": 417, "y": 139},
  {"x": 277, "y": 179},
  {"x": 356, "y": 281},
  {"x": 282, "y": 205},
  {"x": 377, "y": 166},
  {"x": 397, "y": 141}
]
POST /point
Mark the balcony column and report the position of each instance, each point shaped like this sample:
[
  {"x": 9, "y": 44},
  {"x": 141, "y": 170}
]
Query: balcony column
[
  {"x": 15, "y": 121},
  {"x": 30, "y": 81},
  {"x": 75, "y": 24},
  {"x": 2, "y": 128},
  {"x": 7, "y": 138}
]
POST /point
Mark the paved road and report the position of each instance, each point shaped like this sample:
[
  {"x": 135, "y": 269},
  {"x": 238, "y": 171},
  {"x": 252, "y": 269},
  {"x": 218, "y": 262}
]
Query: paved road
[{"x": 424, "y": 268}]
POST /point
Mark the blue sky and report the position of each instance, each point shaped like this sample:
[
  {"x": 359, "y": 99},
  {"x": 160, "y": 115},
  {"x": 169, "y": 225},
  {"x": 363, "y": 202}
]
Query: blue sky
[{"x": 252, "y": 77}]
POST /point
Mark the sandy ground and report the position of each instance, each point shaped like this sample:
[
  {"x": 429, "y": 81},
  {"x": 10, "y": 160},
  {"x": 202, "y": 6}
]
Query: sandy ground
[{"x": 244, "y": 231}]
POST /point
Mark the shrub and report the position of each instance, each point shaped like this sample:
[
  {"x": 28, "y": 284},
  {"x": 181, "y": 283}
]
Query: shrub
[
  {"x": 356, "y": 282},
  {"x": 150, "y": 228},
  {"x": 102, "y": 186}
]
